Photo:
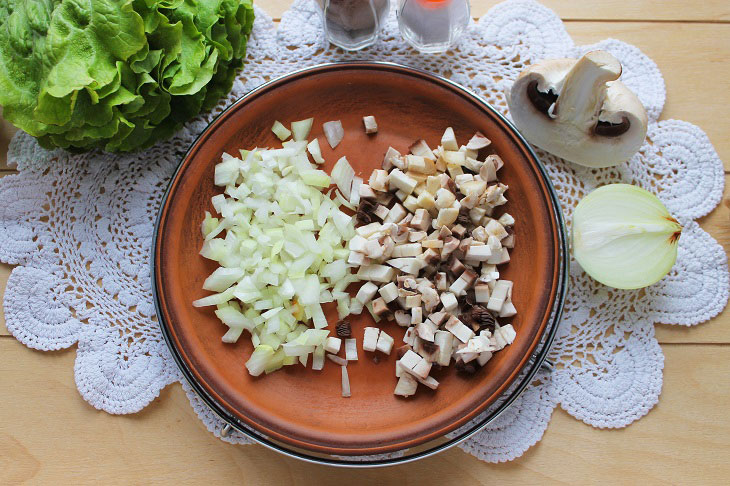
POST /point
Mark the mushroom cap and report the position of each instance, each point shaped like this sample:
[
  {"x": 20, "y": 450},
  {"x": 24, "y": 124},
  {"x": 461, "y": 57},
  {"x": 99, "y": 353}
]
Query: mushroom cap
[{"x": 577, "y": 110}]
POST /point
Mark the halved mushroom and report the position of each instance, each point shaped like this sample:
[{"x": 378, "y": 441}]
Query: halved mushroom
[{"x": 578, "y": 110}]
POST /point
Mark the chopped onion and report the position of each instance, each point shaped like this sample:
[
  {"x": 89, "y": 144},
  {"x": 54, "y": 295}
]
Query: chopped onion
[
  {"x": 301, "y": 129},
  {"x": 315, "y": 151},
  {"x": 334, "y": 132},
  {"x": 342, "y": 175},
  {"x": 280, "y": 131},
  {"x": 282, "y": 249},
  {"x": 624, "y": 237}
]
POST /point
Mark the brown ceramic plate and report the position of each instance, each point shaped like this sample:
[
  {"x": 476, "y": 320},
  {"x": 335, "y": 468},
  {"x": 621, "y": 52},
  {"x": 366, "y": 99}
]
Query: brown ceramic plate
[{"x": 301, "y": 407}]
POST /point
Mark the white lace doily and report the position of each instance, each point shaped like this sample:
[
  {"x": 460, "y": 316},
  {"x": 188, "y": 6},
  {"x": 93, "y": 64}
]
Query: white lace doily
[{"x": 79, "y": 227}]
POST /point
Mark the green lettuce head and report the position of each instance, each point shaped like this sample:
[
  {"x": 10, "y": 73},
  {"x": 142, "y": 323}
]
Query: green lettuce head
[{"x": 116, "y": 74}]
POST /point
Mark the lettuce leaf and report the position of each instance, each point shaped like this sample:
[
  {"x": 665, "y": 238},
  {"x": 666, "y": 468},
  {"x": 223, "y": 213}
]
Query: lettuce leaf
[{"x": 117, "y": 75}]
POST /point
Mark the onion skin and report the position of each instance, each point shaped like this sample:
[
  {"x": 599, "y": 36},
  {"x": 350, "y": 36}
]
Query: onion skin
[{"x": 624, "y": 237}]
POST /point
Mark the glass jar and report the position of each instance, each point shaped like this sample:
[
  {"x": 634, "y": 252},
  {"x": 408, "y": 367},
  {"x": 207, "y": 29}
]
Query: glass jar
[
  {"x": 353, "y": 24},
  {"x": 433, "y": 26}
]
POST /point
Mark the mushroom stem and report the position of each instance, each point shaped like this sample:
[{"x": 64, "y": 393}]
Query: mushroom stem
[{"x": 584, "y": 89}]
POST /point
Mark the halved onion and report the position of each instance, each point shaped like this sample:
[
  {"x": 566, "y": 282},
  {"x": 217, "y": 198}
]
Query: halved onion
[{"x": 624, "y": 237}]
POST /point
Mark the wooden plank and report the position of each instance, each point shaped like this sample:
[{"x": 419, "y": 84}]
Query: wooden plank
[
  {"x": 44, "y": 414},
  {"x": 713, "y": 10},
  {"x": 692, "y": 59}
]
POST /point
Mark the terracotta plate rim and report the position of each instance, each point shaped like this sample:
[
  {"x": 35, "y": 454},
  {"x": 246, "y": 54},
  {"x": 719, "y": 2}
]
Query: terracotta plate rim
[{"x": 557, "y": 295}]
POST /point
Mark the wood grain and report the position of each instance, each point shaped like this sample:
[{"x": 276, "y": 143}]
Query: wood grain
[
  {"x": 712, "y": 10},
  {"x": 166, "y": 443}
]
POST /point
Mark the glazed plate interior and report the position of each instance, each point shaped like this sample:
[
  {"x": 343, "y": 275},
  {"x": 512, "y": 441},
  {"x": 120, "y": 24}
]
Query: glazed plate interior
[{"x": 302, "y": 407}]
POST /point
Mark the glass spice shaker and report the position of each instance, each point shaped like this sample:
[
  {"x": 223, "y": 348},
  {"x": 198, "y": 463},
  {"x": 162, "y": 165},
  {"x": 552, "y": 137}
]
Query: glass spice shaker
[
  {"x": 433, "y": 26},
  {"x": 353, "y": 24}
]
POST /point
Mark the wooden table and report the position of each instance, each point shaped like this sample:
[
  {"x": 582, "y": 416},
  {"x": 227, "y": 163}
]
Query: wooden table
[{"x": 49, "y": 434}]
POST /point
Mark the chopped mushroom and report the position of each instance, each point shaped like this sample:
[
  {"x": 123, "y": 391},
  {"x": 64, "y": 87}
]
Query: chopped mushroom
[
  {"x": 426, "y": 241},
  {"x": 371, "y": 125}
]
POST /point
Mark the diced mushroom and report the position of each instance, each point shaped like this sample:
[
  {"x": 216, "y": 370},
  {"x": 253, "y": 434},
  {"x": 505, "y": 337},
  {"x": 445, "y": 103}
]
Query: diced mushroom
[
  {"x": 370, "y": 338},
  {"x": 499, "y": 295},
  {"x": 373, "y": 250},
  {"x": 438, "y": 318},
  {"x": 478, "y": 253},
  {"x": 508, "y": 310},
  {"x": 429, "y": 382},
  {"x": 448, "y": 140},
  {"x": 413, "y": 301},
  {"x": 441, "y": 281},
  {"x": 422, "y": 369},
  {"x": 385, "y": 343},
  {"x": 371, "y": 126},
  {"x": 402, "y": 318},
  {"x": 406, "y": 386},
  {"x": 410, "y": 359},
  {"x": 351, "y": 349},
  {"x": 416, "y": 315},
  {"x": 504, "y": 335},
  {"x": 421, "y": 148},
  {"x": 478, "y": 142},
  {"x": 410, "y": 203},
  {"x": 425, "y": 330},
  {"x": 396, "y": 214},
  {"x": 410, "y": 336},
  {"x": 356, "y": 258},
  {"x": 484, "y": 357},
  {"x": 376, "y": 273},
  {"x": 422, "y": 165},
  {"x": 458, "y": 329},
  {"x": 509, "y": 241},
  {"x": 494, "y": 243},
  {"x": 411, "y": 265},
  {"x": 446, "y": 216},
  {"x": 458, "y": 231},
  {"x": 444, "y": 198},
  {"x": 408, "y": 250},
  {"x": 381, "y": 211},
  {"x": 444, "y": 340},
  {"x": 495, "y": 228},
  {"x": 481, "y": 293},
  {"x": 430, "y": 299},
  {"x": 366, "y": 192},
  {"x": 366, "y": 292},
  {"x": 401, "y": 181},
  {"x": 449, "y": 301},
  {"x": 455, "y": 266},
  {"x": 421, "y": 220},
  {"x": 389, "y": 292},
  {"x": 500, "y": 257},
  {"x": 433, "y": 184},
  {"x": 332, "y": 345},
  {"x": 380, "y": 308},
  {"x": 379, "y": 180}
]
